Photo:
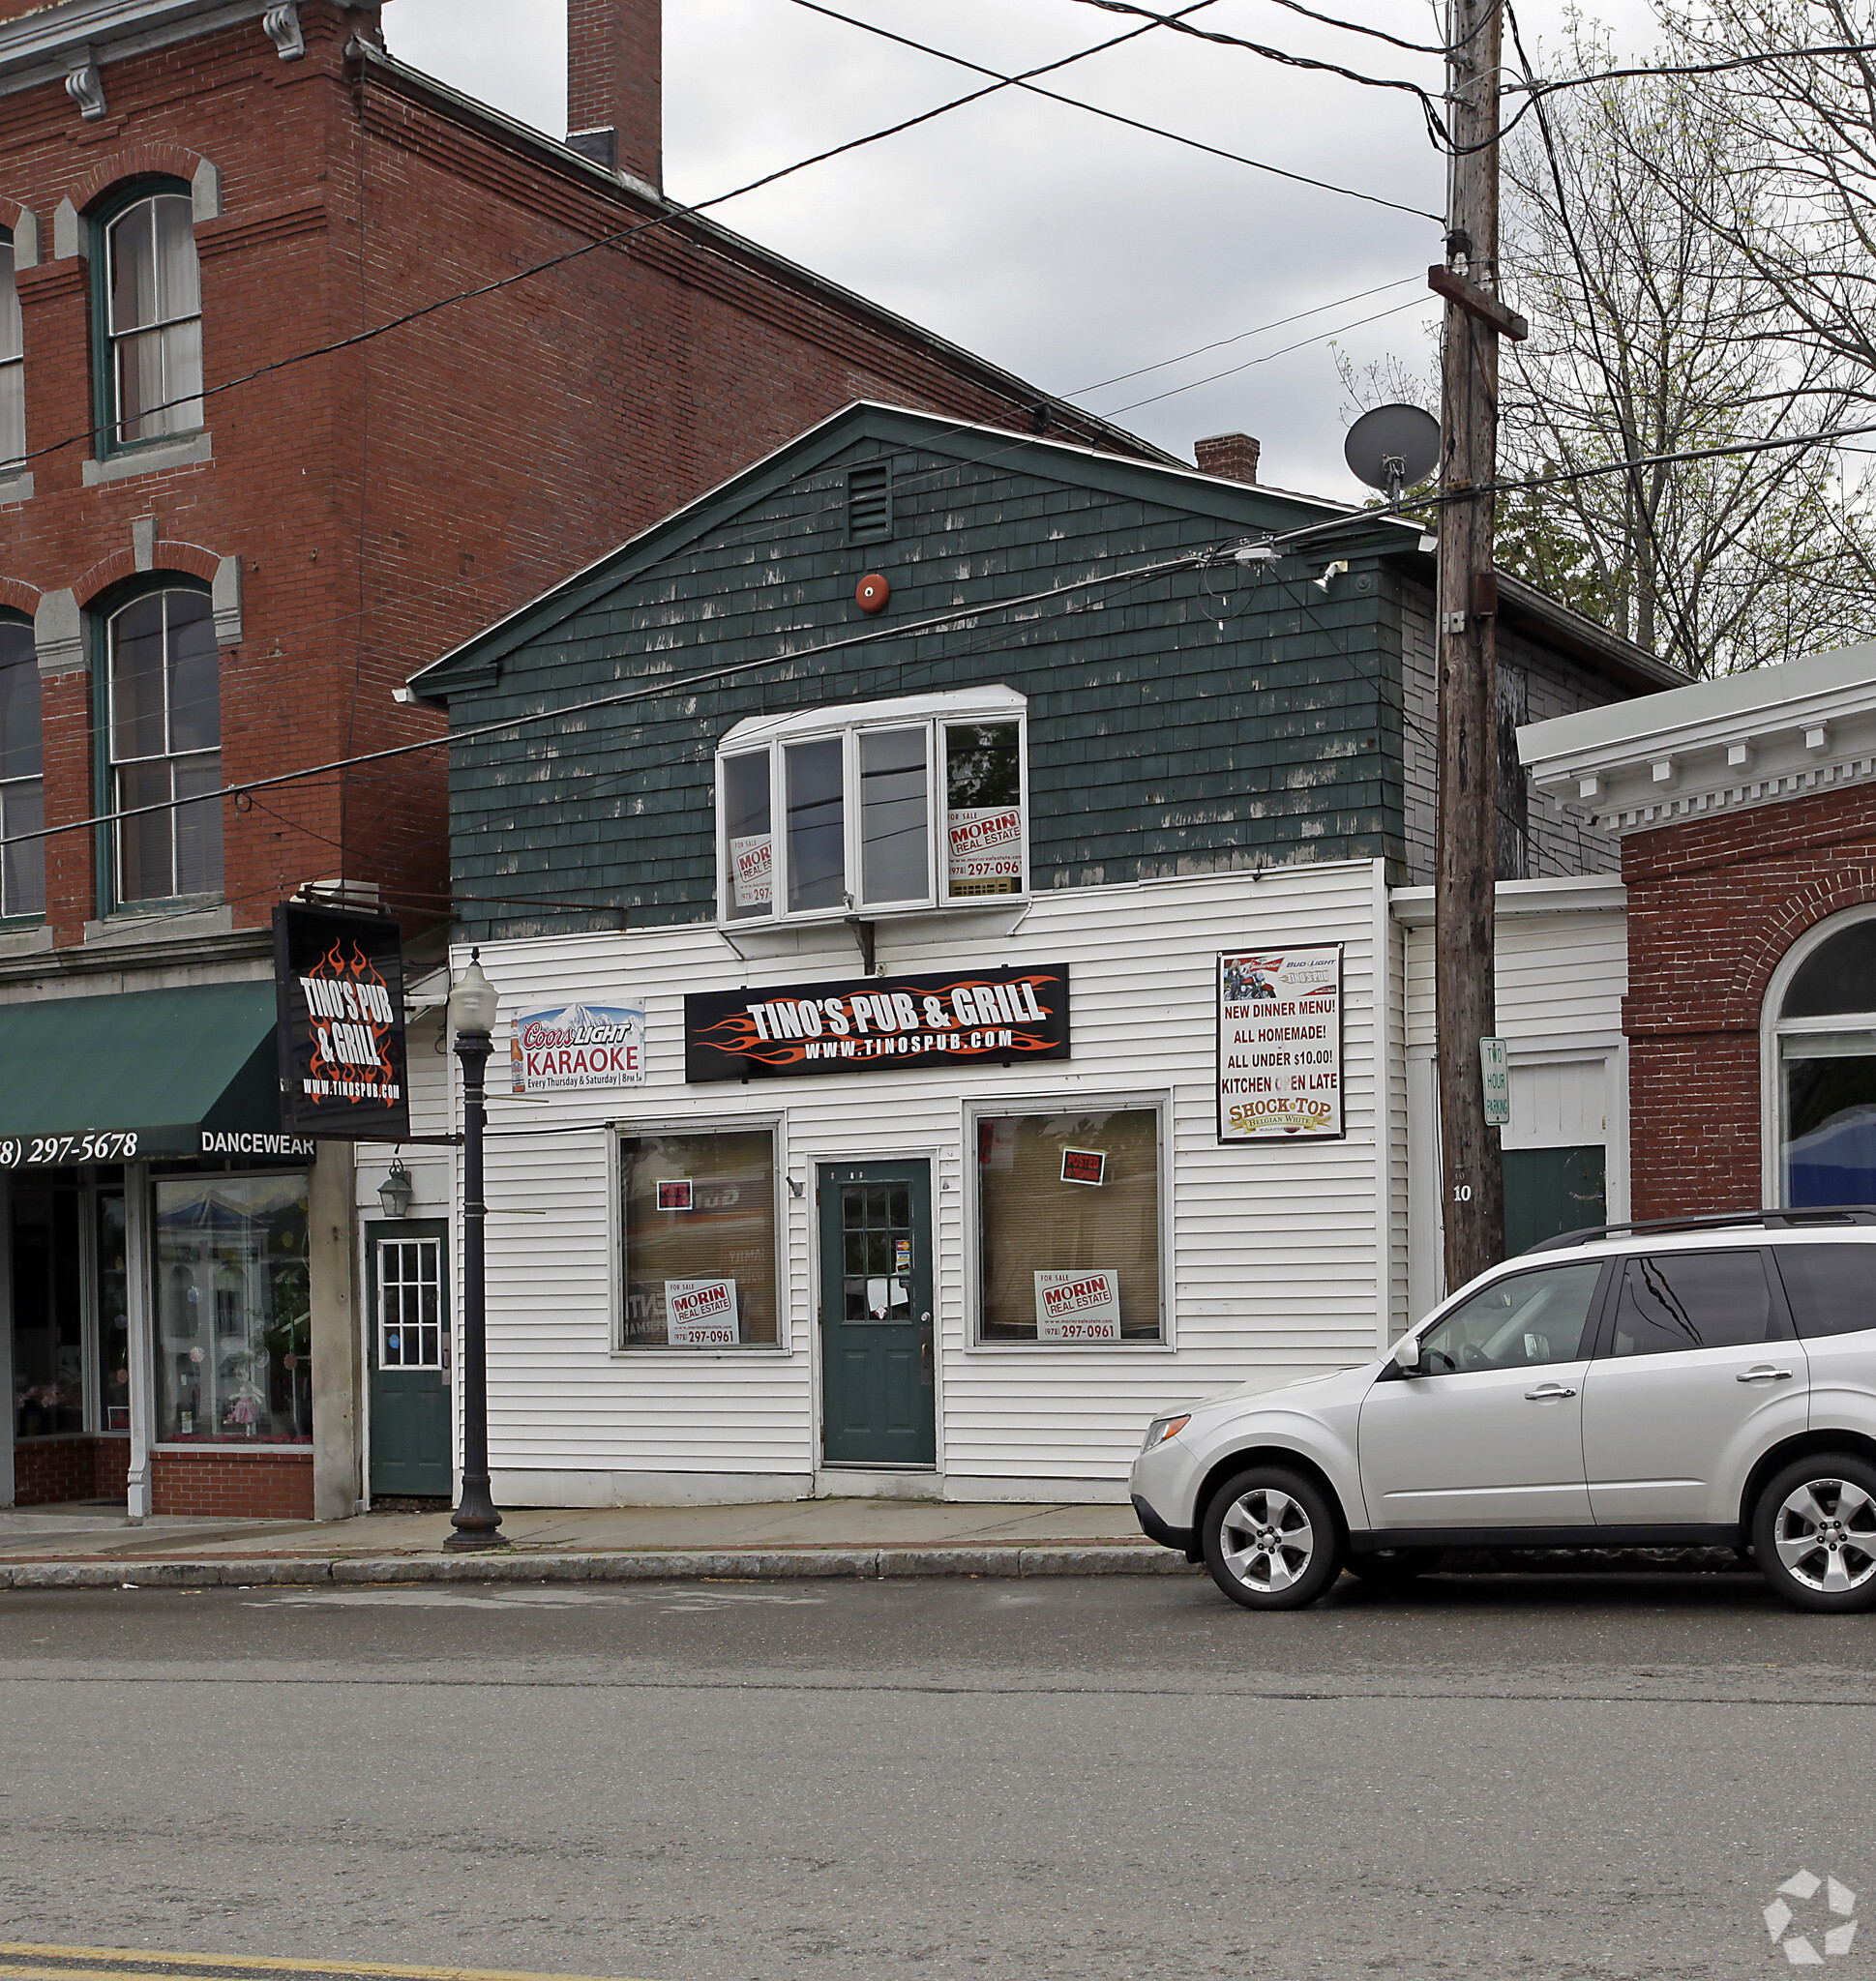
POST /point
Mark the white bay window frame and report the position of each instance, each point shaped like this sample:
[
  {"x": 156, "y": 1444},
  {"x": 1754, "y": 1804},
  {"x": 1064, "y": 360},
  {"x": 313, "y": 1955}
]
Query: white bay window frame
[{"x": 770, "y": 738}]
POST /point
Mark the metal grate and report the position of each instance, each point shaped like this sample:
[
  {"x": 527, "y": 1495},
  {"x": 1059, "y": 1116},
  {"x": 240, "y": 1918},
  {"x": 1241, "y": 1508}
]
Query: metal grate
[{"x": 869, "y": 504}]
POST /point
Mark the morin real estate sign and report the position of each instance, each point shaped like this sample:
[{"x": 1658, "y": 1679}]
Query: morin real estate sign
[{"x": 869, "y": 1024}]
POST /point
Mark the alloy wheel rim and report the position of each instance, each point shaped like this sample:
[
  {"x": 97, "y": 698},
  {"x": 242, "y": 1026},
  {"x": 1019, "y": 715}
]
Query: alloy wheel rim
[
  {"x": 1267, "y": 1539},
  {"x": 1825, "y": 1535}
]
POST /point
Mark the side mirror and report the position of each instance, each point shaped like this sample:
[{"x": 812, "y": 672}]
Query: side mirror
[{"x": 1407, "y": 1355}]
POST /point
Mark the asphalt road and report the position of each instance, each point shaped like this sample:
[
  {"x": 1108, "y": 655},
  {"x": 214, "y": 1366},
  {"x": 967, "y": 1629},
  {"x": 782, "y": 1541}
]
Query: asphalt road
[{"x": 1482, "y": 1776}]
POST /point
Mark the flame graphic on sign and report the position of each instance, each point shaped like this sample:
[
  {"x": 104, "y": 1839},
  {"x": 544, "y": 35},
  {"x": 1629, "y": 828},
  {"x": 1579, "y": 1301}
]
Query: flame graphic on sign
[{"x": 357, "y": 968}]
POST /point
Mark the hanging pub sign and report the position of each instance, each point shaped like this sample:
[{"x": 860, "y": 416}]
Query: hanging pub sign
[
  {"x": 872, "y": 1023},
  {"x": 1280, "y": 1044},
  {"x": 338, "y": 982}
]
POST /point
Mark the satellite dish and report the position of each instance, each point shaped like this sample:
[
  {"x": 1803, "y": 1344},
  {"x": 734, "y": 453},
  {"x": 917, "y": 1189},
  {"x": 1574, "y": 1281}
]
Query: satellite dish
[{"x": 1390, "y": 447}]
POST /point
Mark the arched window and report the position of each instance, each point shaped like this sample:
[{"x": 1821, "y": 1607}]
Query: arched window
[
  {"x": 12, "y": 361},
  {"x": 22, "y": 782},
  {"x": 163, "y": 727},
  {"x": 150, "y": 316},
  {"x": 1820, "y": 1065}
]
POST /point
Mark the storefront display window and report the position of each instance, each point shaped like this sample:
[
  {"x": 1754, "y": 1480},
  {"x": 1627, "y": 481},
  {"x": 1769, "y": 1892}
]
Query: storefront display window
[
  {"x": 232, "y": 1310},
  {"x": 1825, "y": 1041},
  {"x": 1068, "y": 1221},
  {"x": 699, "y": 1239},
  {"x": 49, "y": 1357}
]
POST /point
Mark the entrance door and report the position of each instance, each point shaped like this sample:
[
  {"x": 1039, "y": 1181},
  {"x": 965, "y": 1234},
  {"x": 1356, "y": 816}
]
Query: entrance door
[
  {"x": 875, "y": 1315},
  {"x": 410, "y": 1360}
]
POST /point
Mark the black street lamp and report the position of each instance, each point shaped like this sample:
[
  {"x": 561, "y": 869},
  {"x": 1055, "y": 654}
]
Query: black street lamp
[{"x": 472, "y": 1012}]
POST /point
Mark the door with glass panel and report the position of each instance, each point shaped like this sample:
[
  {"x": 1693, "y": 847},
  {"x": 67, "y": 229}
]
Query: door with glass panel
[
  {"x": 879, "y": 1382},
  {"x": 410, "y": 1360}
]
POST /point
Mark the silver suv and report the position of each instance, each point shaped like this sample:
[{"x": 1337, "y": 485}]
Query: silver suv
[{"x": 1706, "y": 1381}]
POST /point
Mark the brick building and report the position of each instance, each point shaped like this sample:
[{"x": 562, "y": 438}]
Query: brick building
[
  {"x": 218, "y": 557},
  {"x": 1746, "y": 811}
]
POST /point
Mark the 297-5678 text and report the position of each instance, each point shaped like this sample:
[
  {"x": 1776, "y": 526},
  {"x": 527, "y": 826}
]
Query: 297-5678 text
[{"x": 29, "y": 1151}]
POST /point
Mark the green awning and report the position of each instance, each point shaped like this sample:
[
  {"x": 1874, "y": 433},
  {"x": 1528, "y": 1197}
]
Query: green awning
[{"x": 151, "y": 1073}]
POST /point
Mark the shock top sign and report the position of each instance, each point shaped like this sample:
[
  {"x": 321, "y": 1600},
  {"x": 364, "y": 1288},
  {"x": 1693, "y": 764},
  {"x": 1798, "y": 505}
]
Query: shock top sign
[
  {"x": 339, "y": 982},
  {"x": 869, "y": 1024}
]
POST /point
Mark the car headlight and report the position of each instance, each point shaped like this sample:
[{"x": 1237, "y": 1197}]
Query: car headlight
[{"x": 1163, "y": 1427}]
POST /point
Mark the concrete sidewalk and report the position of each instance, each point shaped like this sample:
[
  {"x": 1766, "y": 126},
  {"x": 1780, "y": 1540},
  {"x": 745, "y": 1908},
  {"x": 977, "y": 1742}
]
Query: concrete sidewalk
[{"x": 92, "y": 1547}]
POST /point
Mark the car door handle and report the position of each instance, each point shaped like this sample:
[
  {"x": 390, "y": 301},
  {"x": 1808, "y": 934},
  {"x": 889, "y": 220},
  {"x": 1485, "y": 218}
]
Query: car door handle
[
  {"x": 1763, "y": 1376},
  {"x": 1547, "y": 1393}
]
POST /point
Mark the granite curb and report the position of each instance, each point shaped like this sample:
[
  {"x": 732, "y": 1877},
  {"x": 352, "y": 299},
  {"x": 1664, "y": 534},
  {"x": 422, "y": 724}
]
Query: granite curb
[{"x": 728, "y": 1564}]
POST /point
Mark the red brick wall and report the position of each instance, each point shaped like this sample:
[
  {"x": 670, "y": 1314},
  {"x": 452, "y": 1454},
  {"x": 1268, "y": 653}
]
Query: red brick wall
[
  {"x": 273, "y": 1486},
  {"x": 47, "y": 1471},
  {"x": 389, "y": 501},
  {"x": 1713, "y": 905}
]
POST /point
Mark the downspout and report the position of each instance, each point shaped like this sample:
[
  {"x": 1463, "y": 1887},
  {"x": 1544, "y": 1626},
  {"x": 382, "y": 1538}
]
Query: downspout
[{"x": 1381, "y": 978}]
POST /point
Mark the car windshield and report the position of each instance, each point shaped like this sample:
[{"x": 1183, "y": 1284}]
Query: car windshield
[{"x": 1515, "y": 1324}]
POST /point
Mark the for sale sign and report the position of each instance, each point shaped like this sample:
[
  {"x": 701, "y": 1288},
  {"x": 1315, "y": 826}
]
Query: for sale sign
[
  {"x": 1078, "y": 1307},
  {"x": 701, "y": 1314},
  {"x": 986, "y": 850},
  {"x": 1279, "y": 1053},
  {"x": 753, "y": 859},
  {"x": 559, "y": 1048}
]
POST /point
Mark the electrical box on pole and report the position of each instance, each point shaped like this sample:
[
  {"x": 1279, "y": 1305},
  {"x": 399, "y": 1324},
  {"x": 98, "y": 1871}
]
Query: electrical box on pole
[{"x": 1473, "y": 1191}]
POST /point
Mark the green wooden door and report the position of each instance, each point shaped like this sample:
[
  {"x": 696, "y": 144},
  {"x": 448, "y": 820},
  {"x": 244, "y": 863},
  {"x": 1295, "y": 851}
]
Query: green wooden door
[
  {"x": 1548, "y": 1191},
  {"x": 879, "y": 1394},
  {"x": 410, "y": 1358}
]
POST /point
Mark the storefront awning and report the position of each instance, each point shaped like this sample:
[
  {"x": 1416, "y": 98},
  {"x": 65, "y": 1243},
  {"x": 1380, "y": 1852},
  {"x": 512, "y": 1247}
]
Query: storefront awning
[{"x": 151, "y": 1073}]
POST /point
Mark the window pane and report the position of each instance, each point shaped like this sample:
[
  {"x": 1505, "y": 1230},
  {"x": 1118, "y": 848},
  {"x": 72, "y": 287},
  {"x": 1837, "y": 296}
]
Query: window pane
[
  {"x": 232, "y": 1311},
  {"x": 1088, "y": 1254},
  {"x": 137, "y": 683},
  {"x": 1830, "y": 1129},
  {"x": 1692, "y": 1300},
  {"x": 1839, "y": 975},
  {"x": 409, "y": 1277},
  {"x": 11, "y": 334},
  {"x": 48, "y": 1387},
  {"x": 816, "y": 826},
  {"x": 195, "y": 676},
  {"x": 177, "y": 399},
  {"x": 198, "y": 827},
  {"x": 894, "y": 864},
  {"x": 1832, "y": 1288},
  {"x": 113, "y": 1315},
  {"x": 145, "y": 870},
  {"x": 983, "y": 788},
  {"x": 12, "y": 412},
  {"x": 723, "y": 1244},
  {"x": 748, "y": 885},
  {"x": 22, "y": 868},
  {"x": 1518, "y": 1323},
  {"x": 178, "y": 289},
  {"x": 19, "y": 724},
  {"x": 133, "y": 268}
]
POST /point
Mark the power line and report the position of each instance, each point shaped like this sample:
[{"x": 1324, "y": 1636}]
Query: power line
[{"x": 1021, "y": 81}]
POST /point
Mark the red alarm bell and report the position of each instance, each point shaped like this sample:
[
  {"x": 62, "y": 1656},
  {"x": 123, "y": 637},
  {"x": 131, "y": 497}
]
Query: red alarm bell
[{"x": 873, "y": 593}]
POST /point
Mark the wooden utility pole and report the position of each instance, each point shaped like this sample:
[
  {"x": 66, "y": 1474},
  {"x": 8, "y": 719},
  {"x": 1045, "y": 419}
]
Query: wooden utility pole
[{"x": 1474, "y": 1185}]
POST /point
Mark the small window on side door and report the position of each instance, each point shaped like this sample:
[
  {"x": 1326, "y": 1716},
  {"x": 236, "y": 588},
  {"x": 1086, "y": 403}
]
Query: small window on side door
[{"x": 1678, "y": 1300}]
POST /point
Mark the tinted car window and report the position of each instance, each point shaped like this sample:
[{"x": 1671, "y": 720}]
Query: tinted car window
[
  {"x": 1832, "y": 1288},
  {"x": 1692, "y": 1300},
  {"x": 1517, "y": 1323}
]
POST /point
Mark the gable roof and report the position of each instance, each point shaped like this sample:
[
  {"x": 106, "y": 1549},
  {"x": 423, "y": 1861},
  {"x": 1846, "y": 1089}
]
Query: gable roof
[{"x": 1238, "y": 508}]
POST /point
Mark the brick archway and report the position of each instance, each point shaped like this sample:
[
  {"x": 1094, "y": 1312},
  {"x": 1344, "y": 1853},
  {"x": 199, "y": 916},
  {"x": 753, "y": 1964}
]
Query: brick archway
[
  {"x": 1850, "y": 887},
  {"x": 19, "y": 594},
  {"x": 120, "y": 565},
  {"x": 136, "y": 162}
]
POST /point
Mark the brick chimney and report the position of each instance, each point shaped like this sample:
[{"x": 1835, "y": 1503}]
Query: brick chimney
[
  {"x": 1231, "y": 456},
  {"x": 616, "y": 85}
]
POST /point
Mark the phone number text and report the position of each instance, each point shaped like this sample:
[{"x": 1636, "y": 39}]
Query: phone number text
[{"x": 29, "y": 1151}]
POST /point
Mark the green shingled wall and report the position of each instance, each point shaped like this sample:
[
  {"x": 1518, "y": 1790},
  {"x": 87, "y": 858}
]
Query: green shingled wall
[{"x": 1230, "y": 718}]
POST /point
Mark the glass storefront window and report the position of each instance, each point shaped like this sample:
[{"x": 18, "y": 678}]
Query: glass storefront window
[
  {"x": 232, "y": 1310},
  {"x": 113, "y": 1315},
  {"x": 49, "y": 1356},
  {"x": 1068, "y": 1216},
  {"x": 699, "y": 1239},
  {"x": 1826, "y": 1046}
]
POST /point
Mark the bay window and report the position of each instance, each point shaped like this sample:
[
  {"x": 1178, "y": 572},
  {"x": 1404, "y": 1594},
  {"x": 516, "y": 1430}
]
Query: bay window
[{"x": 874, "y": 809}]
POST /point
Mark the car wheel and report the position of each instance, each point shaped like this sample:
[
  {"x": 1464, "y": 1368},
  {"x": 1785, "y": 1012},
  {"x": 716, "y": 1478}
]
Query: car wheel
[
  {"x": 1387, "y": 1565},
  {"x": 1814, "y": 1534},
  {"x": 1272, "y": 1539}
]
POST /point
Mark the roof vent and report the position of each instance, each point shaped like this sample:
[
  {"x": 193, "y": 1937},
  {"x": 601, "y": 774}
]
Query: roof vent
[{"x": 869, "y": 504}]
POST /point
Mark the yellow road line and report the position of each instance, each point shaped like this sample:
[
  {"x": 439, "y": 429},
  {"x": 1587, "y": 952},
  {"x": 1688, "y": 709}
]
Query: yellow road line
[{"x": 170, "y": 1964}]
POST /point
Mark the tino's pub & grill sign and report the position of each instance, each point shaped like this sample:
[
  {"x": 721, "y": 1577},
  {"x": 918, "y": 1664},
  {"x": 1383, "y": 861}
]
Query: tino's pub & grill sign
[{"x": 869, "y": 1023}]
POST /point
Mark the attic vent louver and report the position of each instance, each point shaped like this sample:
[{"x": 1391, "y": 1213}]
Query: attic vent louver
[{"x": 869, "y": 504}]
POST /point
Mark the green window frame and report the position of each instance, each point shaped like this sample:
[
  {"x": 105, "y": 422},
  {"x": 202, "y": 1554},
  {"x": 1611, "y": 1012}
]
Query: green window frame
[
  {"x": 13, "y": 363},
  {"x": 22, "y": 776},
  {"x": 146, "y": 317},
  {"x": 155, "y": 735}
]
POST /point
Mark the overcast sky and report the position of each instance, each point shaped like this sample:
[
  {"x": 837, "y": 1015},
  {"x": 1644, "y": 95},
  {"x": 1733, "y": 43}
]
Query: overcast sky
[{"x": 1055, "y": 243}]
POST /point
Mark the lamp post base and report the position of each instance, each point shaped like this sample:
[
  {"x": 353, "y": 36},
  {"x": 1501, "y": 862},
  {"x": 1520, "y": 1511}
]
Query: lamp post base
[{"x": 476, "y": 1522}]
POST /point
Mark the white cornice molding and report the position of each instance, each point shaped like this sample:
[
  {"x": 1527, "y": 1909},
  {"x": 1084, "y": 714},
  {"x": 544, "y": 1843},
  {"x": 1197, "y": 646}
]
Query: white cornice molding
[{"x": 40, "y": 47}]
